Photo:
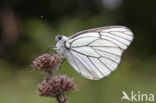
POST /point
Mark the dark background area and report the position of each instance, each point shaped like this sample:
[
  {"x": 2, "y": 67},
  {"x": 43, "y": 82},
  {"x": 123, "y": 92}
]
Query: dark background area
[{"x": 29, "y": 27}]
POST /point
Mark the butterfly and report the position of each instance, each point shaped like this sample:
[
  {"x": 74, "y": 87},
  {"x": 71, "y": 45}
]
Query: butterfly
[{"x": 95, "y": 53}]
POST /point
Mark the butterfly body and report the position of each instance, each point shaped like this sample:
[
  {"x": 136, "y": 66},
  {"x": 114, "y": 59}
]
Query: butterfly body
[{"x": 95, "y": 53}]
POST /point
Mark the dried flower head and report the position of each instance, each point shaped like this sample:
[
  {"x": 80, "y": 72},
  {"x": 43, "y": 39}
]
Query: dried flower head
[
  {"x": 53, "y": 86},
  {"x": 56, "y": 86},
  {"x": 47, "y": 63}
]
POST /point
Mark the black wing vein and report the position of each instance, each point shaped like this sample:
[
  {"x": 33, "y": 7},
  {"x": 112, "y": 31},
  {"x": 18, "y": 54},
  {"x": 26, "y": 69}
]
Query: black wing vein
[
  {"x": 106, "y": 57},
  {"x": 85, "y": 66},
  {"x": 75, "y": 62},
  {"x": 95, "y": 66},
  {"x": 83, "y": 53},
  {"x": 116, "y": 40},
  {"x": 106, "y": 52},
  {"x": 118, "y": 36}
]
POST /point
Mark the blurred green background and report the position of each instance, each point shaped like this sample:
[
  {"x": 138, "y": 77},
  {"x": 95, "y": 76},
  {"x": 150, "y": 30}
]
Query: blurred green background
[{"x": 24, "y": 35}]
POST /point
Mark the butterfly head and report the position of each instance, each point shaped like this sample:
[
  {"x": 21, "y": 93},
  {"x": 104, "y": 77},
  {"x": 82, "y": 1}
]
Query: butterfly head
[
  {"x": 60, "y": 46},
  {"x": 58, "y": 37}
]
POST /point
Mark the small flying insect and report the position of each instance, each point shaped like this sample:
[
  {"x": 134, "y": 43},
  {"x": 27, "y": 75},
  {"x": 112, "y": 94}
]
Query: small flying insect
[{"x": 95, "y": 53}]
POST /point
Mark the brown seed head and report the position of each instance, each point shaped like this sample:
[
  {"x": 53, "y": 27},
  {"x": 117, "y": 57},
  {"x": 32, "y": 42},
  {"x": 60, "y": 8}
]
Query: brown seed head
[
  {"x": 47, "y": 63},
  {"x": 56, "y": 86}
]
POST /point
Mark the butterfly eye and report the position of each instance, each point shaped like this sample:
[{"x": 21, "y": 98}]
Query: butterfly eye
[{"x": 59, "y": 37}]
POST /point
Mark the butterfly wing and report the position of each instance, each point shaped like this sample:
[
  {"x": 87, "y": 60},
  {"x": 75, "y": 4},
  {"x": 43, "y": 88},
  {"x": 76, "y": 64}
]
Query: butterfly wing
[{"x": 95, "y": 53}]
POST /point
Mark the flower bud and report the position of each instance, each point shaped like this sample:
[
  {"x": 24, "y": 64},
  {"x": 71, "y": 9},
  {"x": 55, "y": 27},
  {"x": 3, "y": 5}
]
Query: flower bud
[
  {"x": 56, "y": 86},
  {"x": 47, "y": 63}
]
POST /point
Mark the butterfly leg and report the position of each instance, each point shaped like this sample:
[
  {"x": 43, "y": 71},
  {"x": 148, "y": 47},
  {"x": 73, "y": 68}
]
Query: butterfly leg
[{"x": 62, "y": 63}]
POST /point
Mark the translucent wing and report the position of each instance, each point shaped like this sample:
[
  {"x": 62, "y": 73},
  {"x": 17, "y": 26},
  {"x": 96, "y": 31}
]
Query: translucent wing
[{"x": 95, "y": 53}]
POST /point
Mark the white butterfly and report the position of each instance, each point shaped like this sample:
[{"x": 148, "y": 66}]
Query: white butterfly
[{"x": 95, "y": 53}]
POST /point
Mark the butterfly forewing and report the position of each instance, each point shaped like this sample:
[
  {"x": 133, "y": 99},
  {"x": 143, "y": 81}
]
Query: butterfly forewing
[{"x": 95, "y": 53}]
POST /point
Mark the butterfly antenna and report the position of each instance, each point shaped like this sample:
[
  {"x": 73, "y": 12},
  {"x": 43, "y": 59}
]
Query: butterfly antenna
[
  {"x": 51, "y": 47},
  {"x": 51, "y": 27},
  {"x": 55, "y": 33}
]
